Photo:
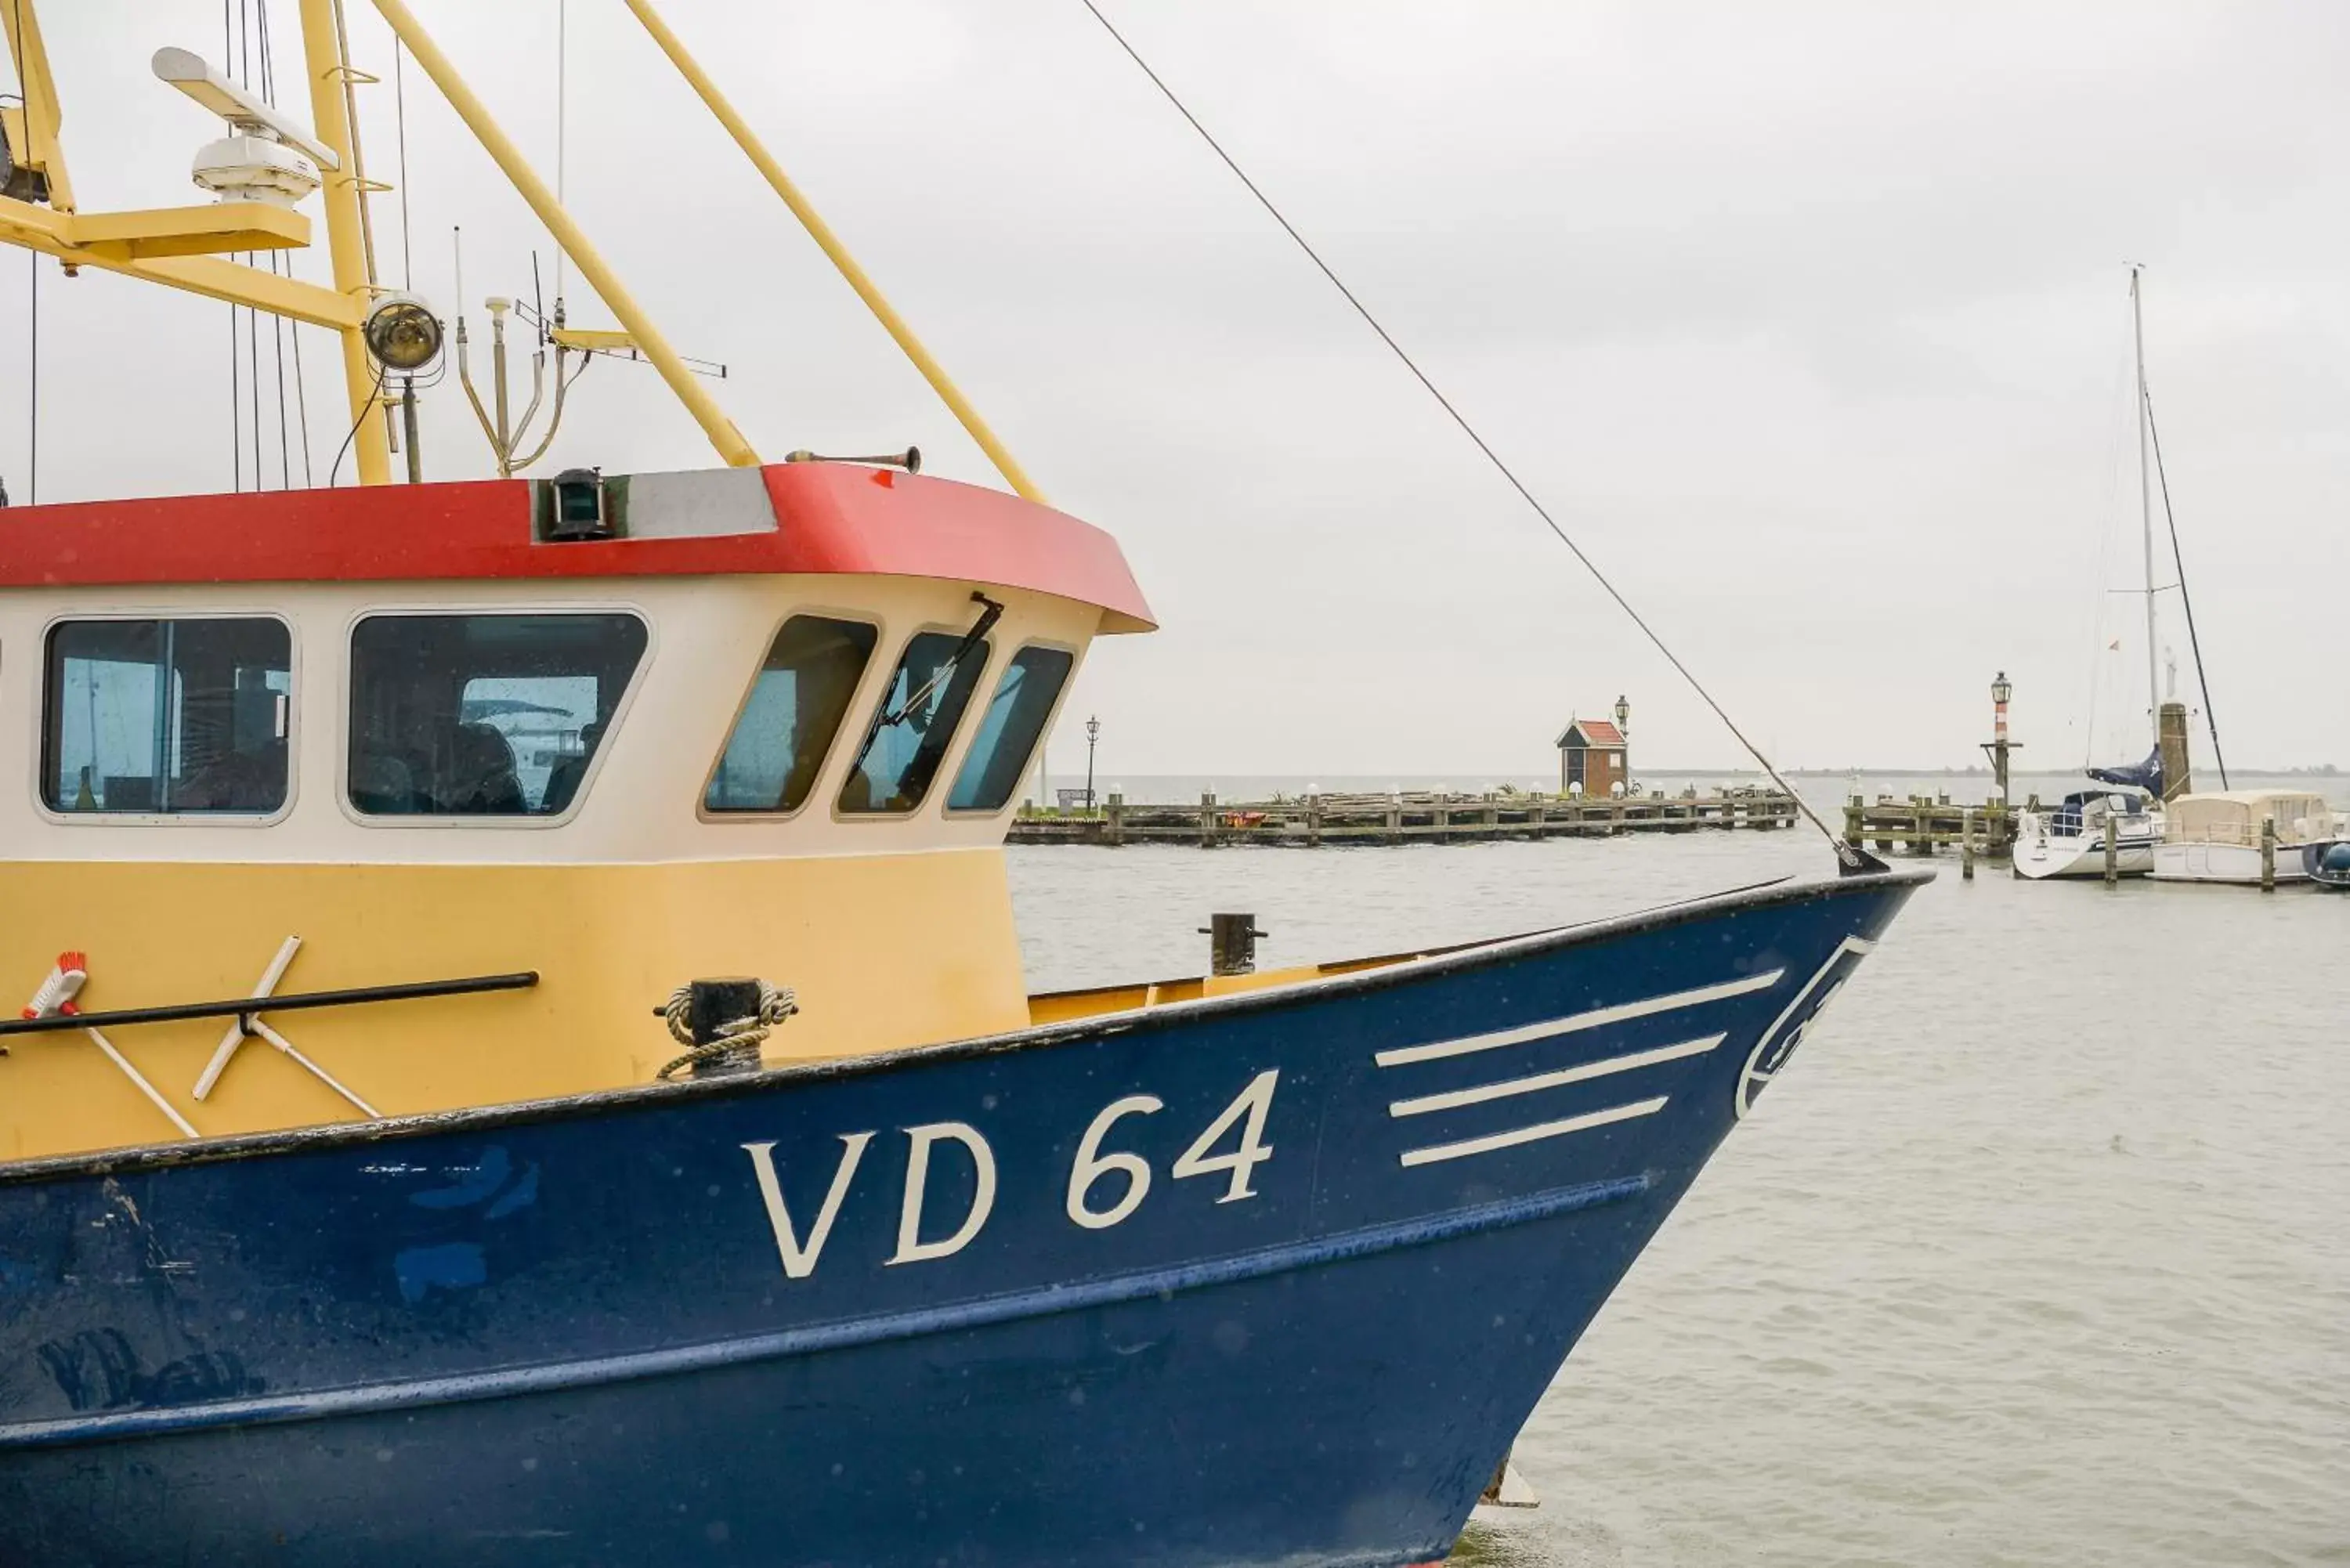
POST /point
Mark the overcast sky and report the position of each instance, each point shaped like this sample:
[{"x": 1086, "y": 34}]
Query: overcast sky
[{"x": 1810, "y": 322}]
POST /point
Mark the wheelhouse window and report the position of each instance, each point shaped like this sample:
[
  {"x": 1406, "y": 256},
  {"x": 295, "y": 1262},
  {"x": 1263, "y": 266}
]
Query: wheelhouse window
[
  {"x": 1008, "y": 729},
  {"x": 167, "y": 717},
  {"x": 914, "y": 724},
  {"x": 483, "y": 715},
  {"x": 794, "y": 712}
]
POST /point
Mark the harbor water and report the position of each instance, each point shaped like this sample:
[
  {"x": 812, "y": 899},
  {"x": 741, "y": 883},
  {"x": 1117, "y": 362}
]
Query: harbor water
[{"x": 2040, "y": 1253}]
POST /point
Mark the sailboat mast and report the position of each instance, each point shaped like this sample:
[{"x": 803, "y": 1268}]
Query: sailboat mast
[{"x": 2146, "y": 509}]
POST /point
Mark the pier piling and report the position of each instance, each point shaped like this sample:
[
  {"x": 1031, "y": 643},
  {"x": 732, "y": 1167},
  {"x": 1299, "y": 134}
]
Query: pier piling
[{"x": 1922, "y": 824}]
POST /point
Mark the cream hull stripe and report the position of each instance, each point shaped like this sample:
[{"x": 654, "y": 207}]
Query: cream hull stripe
[
  {"x": 1598, "y": 1018},
  {"x": 1534, "y": 1134},
  {"x": 1632, "y": 1062}
]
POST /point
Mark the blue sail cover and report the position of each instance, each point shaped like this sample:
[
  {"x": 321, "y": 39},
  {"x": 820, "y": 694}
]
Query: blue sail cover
[{"x": 2145, "y": 775}]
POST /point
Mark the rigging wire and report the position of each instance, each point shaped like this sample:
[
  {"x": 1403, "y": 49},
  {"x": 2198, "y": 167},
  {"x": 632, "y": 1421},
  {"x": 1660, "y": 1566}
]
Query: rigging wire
[
  {"x": 399, "y": 122},
  {"x": 562, "y": 115},
  {"x": 32, "y": 420},
  {"x": 276, "y": 322},
  {"x": 301, "y": 400},
  {"x": 1849, "y": 855},
  {"x": 351, "y": 124},
  {"x": 252, "y": 315},
  {"x": 2106, "y": 522},
  {"x": 2194, "y": 646},
  {"x": 32, "y": 300},
  {"x": 253, "y": 381},
  {"x": 235, "y": 371},
  {"x": 235, "y": 410}
]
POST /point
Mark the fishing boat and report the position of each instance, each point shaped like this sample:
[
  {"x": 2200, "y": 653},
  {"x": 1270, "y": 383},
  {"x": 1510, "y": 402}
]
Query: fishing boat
[
  {"x": 2246, "y": 837},
  {"x": 525, "y": 1059}
]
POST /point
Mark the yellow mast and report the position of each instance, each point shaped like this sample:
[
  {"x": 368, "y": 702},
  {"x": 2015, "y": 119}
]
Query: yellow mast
[
  {"x": 590, "y": 262},
  {"x": 330, "y": 122},
  {"x": 830, "y": 243},
  {"x": 186, "y": 247},
  {"x": 34, "y": 128}
]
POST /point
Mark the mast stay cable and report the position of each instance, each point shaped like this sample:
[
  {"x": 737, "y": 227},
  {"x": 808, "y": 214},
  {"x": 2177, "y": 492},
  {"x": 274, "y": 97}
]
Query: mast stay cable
[
  {"x": 251, "y": 315},
  {"x": 399, "y": 122},
  {"x": 2194, "y": 644},
  {"x": 33, "y": 418},
  {"x": 236, "y": 369},
  {"x": 562, "y": 125},
  {"x": 276, "y": 322},
  {"x": 32, "y": 305},
  {"x": 1850, "y": 856},
  {"x": 2105, "y": 568}
]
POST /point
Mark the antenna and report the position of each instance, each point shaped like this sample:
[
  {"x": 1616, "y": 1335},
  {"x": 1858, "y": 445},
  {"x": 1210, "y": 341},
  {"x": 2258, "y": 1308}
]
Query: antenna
[{"x": 246, "y": 114}]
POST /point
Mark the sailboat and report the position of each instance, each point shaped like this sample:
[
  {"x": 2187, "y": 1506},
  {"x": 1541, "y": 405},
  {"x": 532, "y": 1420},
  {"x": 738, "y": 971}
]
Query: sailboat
[
  {"x": 2071, "y": 839},
  {"x": 2068, "y": 839},
  {"x": 525, "y": 1059}
]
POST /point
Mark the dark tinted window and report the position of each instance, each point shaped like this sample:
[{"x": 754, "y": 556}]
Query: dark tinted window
[
  {"x": 166, "y": 716},
  {"x": 483, "y": 715},
  {"x": 795, "y": 709},
  {"x": 1008, "y": 729},
  {"x": 914, "y": 725}
]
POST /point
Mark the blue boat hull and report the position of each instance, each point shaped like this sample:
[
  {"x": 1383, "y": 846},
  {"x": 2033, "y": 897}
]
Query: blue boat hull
[
  {"x": 1273, "y": 1278},
  {"x": 2327, "y": 864}
]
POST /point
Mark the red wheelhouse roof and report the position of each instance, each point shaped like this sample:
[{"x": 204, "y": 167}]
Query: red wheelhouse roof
[{"x": 820, "y": 517}]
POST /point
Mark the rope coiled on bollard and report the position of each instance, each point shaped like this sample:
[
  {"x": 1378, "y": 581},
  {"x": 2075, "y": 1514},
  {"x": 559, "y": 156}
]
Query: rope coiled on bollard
[{"x": 776, "y": 1003}]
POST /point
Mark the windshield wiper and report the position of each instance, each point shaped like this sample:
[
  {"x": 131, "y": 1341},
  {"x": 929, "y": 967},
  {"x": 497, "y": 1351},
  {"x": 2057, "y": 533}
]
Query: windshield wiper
[{"x": 945, "y": 673}]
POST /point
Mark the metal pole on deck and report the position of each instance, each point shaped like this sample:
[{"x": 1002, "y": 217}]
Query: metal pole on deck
[{"x": 736, "y": 451}]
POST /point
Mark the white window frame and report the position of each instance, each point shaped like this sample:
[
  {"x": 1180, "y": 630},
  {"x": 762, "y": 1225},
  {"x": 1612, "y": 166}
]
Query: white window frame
[
  {"x": 951, "y": 762},
  {"x": 1052, "y": 717},
  {"x": 444, "y": 610},
  {"x": 828, "y": 776},
  {"x": 231, "y": 819}
]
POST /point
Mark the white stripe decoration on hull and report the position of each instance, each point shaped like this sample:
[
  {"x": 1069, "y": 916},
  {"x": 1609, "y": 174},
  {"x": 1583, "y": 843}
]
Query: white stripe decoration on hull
[
  {"x": 1598, "y": 1018},
  {"x": 1581, "y": 1073},
  {"x": 1534, "y": 1134}
]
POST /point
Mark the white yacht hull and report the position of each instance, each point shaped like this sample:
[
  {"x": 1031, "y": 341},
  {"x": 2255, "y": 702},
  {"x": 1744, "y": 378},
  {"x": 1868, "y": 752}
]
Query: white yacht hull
[
  {"x": 2042, "y": 857},
  {"x": 2238, "y": 864}
]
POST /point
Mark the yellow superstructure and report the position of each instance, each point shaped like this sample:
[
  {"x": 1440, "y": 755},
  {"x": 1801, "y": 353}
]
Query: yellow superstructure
[{"x": 608, "y": 942}]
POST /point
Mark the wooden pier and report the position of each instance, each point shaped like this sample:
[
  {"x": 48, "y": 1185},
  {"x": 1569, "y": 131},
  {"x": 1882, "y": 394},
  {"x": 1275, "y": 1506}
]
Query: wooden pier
[
  {"x": 1920, "y": 825},
  {"x": 1400, "y": 818}
]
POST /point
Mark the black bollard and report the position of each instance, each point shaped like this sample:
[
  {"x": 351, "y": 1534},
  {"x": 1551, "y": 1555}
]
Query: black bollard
[
  {"x": 1231, "y": 943},
  {"x": 713, "y": 1004}
]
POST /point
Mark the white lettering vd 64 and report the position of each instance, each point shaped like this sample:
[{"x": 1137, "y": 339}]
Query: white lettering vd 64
[{"x": 1104, "y": 1189}]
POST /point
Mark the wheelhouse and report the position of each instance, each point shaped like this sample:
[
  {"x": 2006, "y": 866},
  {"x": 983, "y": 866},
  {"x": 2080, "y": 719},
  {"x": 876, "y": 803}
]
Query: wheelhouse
[{"x": 769, "y": 722}]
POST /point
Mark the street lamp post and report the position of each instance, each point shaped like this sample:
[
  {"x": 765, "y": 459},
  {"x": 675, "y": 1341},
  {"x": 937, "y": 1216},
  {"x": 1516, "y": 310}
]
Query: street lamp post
[
  {"x": 1093, "y": 734},
  {"x": 1623, "y": 728}
]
